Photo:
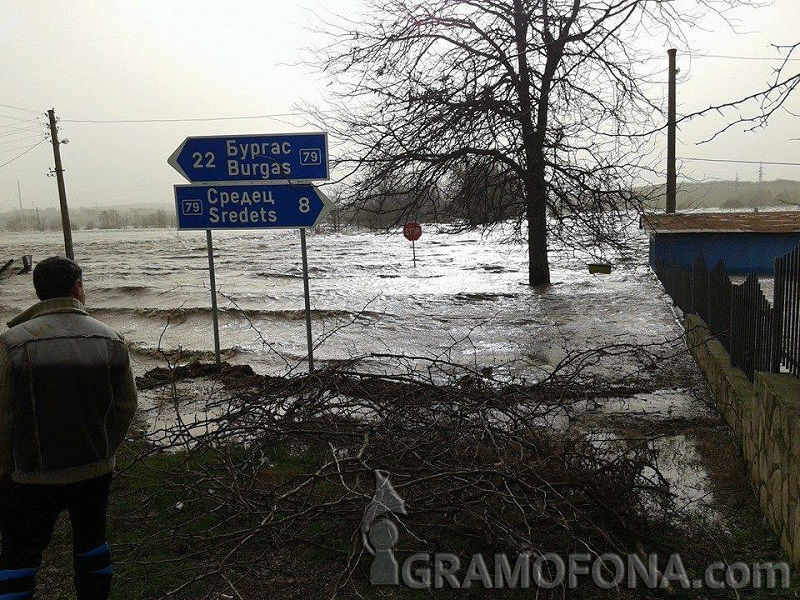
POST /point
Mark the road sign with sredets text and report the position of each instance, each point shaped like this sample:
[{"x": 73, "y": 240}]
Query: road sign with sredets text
[
  {"x": 253, "y": 158},
  {"x": 264, "y": 206}
]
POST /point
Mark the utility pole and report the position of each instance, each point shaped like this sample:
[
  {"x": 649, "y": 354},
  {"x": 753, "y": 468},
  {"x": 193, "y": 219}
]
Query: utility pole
[
  {"x": 672, "y": 174},
  {"x": 62, "y": 191},
  {"x": 19, "y": 195}
]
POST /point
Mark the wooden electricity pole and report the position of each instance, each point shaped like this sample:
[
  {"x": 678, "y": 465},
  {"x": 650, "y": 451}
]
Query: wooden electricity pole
[
  {"x": 62, "y": 191},
  {"x": 672, "y": 174}
]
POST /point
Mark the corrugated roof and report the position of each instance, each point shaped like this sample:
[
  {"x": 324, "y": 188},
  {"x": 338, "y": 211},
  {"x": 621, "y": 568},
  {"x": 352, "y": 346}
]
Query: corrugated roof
[{"x": 752, "y": 222}]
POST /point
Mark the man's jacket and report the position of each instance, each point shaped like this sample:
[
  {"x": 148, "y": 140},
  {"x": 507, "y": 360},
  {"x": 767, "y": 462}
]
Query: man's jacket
[{"x": 67, "y": 395}]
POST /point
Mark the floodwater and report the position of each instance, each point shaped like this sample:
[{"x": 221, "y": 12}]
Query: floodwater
[{"x": 466, "y": 299}]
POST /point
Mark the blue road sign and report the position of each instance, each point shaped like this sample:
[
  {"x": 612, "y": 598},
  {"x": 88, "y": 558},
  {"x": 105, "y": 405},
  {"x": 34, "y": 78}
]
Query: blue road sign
[
  {"x": 263, "y": 206},
  {"x": 253, "y": 158}
]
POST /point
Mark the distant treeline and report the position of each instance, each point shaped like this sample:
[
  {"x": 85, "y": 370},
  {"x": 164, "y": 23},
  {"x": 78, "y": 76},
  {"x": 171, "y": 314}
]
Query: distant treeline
[
  {"x": 476, "y": 201},
  {"x": 491, "y": 201},
  {"x": 733, "y": 194},
  {"x": 476, "y": 195},
  {"x": 86, "y": 218}
]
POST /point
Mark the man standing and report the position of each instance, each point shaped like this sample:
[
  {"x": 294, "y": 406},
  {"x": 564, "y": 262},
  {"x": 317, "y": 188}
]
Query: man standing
[{"x": 67, "y": 398}]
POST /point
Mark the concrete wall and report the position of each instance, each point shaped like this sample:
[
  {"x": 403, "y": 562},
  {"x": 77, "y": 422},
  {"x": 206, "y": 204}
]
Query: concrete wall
[
  {"x": 742, "y": 253},
  {"x": 765, "y": 417}
]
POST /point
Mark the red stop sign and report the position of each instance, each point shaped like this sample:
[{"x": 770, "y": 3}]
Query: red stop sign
[{"x": 412, "y": 231}]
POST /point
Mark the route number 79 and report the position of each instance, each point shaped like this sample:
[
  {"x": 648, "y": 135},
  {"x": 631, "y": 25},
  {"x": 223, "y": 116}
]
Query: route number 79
[{"x": 310, "y": 156}]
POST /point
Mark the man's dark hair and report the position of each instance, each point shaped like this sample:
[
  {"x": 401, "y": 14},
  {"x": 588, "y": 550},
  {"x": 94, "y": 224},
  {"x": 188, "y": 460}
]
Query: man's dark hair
[{"x": 54, "y": 277}]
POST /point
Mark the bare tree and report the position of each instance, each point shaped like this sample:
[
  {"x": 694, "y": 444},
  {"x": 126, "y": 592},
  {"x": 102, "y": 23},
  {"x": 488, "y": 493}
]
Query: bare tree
[
  {"x": 756, "y": 109},
  {"x": 553, "y": 97}
]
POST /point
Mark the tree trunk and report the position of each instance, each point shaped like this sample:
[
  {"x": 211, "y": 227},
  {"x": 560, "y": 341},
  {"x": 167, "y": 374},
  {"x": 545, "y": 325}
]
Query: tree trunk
[
  {"x": 533, "y": 141},
  {"x": 536, "y": 214}
]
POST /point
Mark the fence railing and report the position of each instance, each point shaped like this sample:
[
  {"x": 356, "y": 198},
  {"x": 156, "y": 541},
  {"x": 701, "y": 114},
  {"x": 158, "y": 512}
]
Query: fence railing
[
  {"x": 786, "y": 350},
  {"x": 758, "y": 335}
]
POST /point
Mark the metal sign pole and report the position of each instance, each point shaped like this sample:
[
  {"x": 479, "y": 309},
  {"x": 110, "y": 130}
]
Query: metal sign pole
[
  {"x": 414, "y": 252},
  {"x": 309, "y": 341},
  {"x": 213, "y": 281},
  {"x": 229, "y": 192}
]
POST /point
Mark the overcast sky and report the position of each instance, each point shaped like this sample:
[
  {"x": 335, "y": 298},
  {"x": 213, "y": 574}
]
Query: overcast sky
[{"x": 159, "y": 59}]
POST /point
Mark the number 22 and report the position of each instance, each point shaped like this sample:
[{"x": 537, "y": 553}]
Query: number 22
[{"x": 198, "y": 160}]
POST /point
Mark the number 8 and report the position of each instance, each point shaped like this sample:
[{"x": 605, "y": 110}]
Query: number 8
[{"x": 305, "y": 205}]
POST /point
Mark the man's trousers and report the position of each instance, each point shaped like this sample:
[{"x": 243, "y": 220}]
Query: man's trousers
[{"x": 28, "y": 515}]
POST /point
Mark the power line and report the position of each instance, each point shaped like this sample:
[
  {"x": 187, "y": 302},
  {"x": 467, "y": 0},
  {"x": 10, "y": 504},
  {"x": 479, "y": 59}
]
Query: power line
[
  {"x": 12, "y": 149},
  {"x": 746, "y": 162},
  {"x": 19, "y": 135},
  {"x": 29, "y": 129},
  {"x": 18, "y": 122},
  {"x": 26, "y": 141},
  {"x": 30, "y": 110},
  {"x": 193, "y": 120},
  {"x": 25, "y": 119},
  {"x": 8, "y": 162},
  {"x": 734, "y": 57},
  {"x": 727, "y": 56},
  {"x": 158, "y": 120}
]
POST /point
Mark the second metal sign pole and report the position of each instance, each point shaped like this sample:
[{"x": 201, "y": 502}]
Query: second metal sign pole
[
  {"x": 309, "y": 339},
  {"x": 296, "y": 203},
  {"x": 213, "y": 281}
]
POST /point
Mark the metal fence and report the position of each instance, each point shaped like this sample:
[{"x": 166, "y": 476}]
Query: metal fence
[
  {"x": 758, "y": 335},
  {"x": 786, "y": 351},
  {"x": 751, "y": 330}
]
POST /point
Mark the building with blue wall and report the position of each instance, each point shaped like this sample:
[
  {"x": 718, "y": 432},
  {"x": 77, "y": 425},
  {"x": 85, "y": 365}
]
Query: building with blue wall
[{"x": 745, "y": 242}]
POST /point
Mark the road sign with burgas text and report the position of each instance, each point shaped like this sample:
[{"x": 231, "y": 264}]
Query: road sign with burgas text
[
  {"x": 264, "y": 206},
  {"x": 253, "y": 158}
]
